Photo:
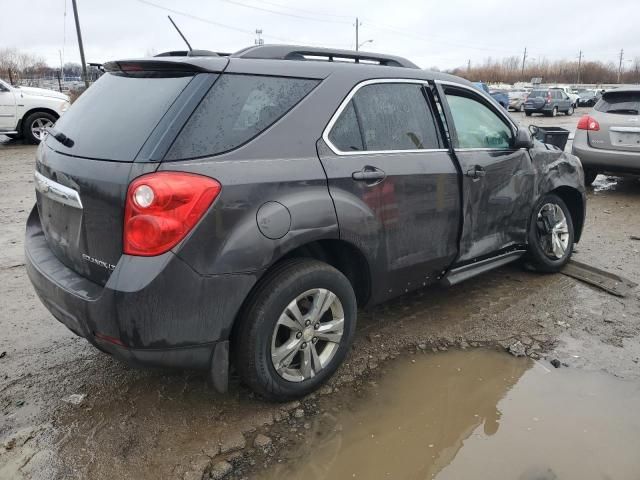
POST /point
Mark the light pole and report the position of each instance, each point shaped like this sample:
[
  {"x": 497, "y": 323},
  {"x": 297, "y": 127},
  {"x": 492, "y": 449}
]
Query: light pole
[{"x": 364, "y": 43}]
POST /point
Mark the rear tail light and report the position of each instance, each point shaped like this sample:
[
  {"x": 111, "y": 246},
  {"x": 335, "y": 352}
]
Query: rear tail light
[
  {"x": 161, "y": 208},
  {"x": 549, "y": 97},
  {"x": 587, "y": 122}
]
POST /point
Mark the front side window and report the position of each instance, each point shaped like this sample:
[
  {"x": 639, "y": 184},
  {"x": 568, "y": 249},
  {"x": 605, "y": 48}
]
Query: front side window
[
  {"x": 384, "y": 117},
  {"x": 476, "y": 125},
  {"x": 235, "y": 110}
]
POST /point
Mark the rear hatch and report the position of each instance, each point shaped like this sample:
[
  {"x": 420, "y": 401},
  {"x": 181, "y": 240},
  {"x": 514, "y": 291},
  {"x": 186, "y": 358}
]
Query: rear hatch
[
  {"x": 112, "y": 134},
  {"x": 536, "y": 99},
  {"x": 618, "y": 114}
]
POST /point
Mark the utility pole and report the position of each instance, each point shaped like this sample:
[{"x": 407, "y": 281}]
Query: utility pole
[
  {"x": 357, "y": 38},
  {"x": 579, "y": 65},
  {"x": 620, "y": 66},
  {"x": 469, "y": 66},
  {"x": 84, "y": 64},
  {"x": 259, "y": 40},
  {"x": 524, "y": 59}
]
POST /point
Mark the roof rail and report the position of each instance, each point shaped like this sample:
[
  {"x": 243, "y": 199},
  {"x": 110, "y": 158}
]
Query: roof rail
[{"x": 297, "y": 52}]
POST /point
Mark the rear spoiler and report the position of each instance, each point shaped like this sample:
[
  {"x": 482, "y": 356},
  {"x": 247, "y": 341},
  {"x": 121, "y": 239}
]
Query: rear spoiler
[{"x": 134, "y": 67}]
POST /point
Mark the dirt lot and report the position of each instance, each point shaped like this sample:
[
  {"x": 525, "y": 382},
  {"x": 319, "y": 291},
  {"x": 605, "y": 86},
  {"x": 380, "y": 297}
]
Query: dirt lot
[{"x": 69, "y": 411}]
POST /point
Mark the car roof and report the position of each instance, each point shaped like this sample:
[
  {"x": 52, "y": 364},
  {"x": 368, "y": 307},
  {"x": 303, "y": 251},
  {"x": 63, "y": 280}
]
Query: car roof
[{"x": 298, "y": 61}]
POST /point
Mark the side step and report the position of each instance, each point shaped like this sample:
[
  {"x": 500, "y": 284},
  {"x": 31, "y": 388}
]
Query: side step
[
  {"x": 460, "y": 274},
  {"x": 8, "y": 133}
]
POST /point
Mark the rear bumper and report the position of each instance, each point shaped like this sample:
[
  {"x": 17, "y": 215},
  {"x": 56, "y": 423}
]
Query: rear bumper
[
  {"x": 153, "y": 311},
  {"x": 544, "y": 109},
  {"x": 602, "y": 159}
]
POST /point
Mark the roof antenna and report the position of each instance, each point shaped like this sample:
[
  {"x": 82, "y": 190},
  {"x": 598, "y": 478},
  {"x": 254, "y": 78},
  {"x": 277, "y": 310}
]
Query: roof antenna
[{"x": 183, "y": 37}]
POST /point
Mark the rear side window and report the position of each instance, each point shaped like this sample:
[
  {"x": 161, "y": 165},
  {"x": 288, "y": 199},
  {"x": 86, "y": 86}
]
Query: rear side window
[
  {"x": 386, "y": 116},
  {"x": 234, "y": 111},
  {"x": 114, "y": 117},
  {"x": 620, "y": 102}
]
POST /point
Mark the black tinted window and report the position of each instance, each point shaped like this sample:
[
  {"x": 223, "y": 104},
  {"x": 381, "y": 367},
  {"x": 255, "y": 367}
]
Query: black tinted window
[
  {"x": 620, "y": 102},
  {"x": 395, "y": 117},
  {"x": 235, "y": 110},
  {"x": 538, "y": 94},
  {"x": 114, "y": 117},
  {"x": 345, "y": 134}
]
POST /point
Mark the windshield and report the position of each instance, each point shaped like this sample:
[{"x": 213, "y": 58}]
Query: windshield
[
  {"x": 115, "y": 116},
  {"x": 620, "y": 102}
]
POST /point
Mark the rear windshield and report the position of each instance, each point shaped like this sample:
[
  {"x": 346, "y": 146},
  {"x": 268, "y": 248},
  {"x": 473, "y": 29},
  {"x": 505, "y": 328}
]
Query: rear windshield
[
  {"x": 538, "y": 93},
  {"x": 620, "y": 102},
  {"x": 234, "y": 111},
  {"x": 114, "y": 117}
]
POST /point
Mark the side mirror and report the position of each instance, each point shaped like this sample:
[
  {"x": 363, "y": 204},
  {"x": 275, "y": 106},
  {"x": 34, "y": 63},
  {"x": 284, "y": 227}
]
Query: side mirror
[{"x": 522, "y": 139}]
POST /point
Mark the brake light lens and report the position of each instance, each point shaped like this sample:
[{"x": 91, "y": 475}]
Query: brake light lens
[
  {"x": 587, "y": 122},
  {"x": 548, "y": 97},
  {"x": 162, "y": 208}
]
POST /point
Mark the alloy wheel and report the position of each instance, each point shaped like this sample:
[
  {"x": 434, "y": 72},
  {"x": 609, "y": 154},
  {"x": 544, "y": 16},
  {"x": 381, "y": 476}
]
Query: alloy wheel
[
  {"x": 553, "y": 231},
  {"x": 307, "y": 335},
  {"x": 39, "y": 128}
]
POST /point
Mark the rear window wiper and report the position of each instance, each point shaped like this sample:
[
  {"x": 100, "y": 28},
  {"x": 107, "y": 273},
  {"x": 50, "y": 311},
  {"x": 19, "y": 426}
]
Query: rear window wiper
[
  {"x": 628, "y": 111},
  {"x": 61, "y": 137}
]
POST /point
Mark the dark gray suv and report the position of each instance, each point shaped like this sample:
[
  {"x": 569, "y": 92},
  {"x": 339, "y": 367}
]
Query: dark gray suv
[{"x": 216, "y": 211}]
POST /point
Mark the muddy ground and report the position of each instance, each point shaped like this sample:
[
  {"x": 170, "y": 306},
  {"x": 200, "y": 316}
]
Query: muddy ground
[{"x": 69, "y": 411}]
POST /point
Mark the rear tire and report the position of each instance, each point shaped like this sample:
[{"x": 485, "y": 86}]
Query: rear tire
[
  {"x": 589, "y": 176},
  {"x": 278, "y": 327},
  {"x": 551, "y": 235},
  {"x": 35, "y": 125},
  {"x": 521, "y": 109},
  {"x": 528, "y": 114},
  {"x": 554, "y": 112}
]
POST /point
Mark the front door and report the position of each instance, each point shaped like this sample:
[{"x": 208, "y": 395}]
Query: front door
[
  {"x": 394, "y": 185},
  {"x": 7, "y": 108},
  {"x": 497, "y": 179}
]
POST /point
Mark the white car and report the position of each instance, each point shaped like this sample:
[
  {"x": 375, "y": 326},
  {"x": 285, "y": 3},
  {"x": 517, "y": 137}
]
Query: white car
[
  {"x": 27, "y": 112},
  {"x": 574, "y": 97}
]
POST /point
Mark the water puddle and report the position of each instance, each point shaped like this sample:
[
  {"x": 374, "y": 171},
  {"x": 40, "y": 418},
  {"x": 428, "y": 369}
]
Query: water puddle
[{"x": 475, "y": 414}]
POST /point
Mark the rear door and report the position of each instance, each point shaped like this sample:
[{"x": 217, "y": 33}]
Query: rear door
[
  {"x": 393, "y": 182},
  {"x": 618, "y": 114},
  {"x": 497, "y": 179},
  {"x": 81, "y": 186}
]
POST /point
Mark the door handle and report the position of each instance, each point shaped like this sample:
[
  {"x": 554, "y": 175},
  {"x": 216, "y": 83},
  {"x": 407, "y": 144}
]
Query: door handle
[
  {"x": 476, "y": 172},
  {"x": 370, "y": 175}
]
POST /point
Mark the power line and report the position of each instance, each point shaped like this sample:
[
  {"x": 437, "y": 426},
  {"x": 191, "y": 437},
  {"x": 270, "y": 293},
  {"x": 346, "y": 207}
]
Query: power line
[
  {"x": 217, "y": 24},
  {"x": 286, "y": 7},
  {"x": 276, "y": 12}
]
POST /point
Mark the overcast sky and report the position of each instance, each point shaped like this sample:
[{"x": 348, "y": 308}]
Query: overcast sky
[{"x": 444, "y": 33}]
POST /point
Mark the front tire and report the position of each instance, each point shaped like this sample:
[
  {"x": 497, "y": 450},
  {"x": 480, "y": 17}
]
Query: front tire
[
  {"x": 569, "y": 112},
  {"x": 551, "y": 235},
  {"x": 34, "y": 127},
  {"x": 296, "y": 329}
]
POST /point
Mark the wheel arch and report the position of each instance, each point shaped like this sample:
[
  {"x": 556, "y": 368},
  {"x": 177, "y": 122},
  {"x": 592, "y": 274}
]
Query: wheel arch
[
  {"x": 575, "y": 203},
  {"x": 345, "y": 257},
  {"x": 39, "y": 109}
]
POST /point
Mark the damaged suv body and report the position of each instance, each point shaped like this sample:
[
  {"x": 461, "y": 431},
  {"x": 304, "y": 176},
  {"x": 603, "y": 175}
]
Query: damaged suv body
[{"x": 239, "y": 209}]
